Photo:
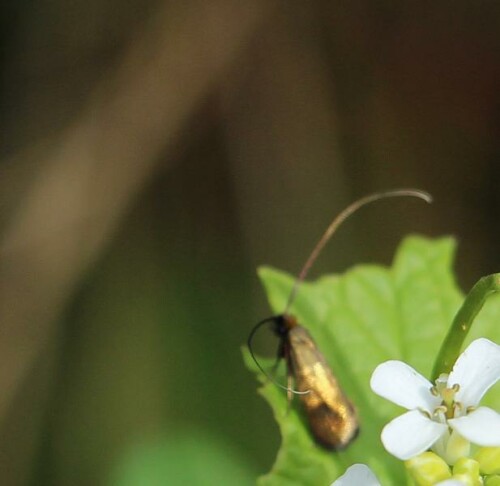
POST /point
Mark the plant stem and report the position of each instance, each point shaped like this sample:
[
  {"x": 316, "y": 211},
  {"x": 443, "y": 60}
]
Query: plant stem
[{"x": 452, "y": 344}]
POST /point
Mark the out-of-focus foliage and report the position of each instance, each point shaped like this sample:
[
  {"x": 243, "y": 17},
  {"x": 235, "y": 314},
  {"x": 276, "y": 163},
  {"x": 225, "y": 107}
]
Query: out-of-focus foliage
[
  {"x": 359, "y": 319},
  {"x": 155, "y": 152},
  {"x": 190, "y": 458}
]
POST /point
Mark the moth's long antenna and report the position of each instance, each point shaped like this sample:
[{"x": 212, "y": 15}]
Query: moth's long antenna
[
  {"x": 338, "y": 220},
  {"x": 267, "y": 375}
]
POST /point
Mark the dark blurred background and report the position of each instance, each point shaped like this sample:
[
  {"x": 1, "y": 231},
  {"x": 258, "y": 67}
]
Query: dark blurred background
[{"x": 153, "y": 154}]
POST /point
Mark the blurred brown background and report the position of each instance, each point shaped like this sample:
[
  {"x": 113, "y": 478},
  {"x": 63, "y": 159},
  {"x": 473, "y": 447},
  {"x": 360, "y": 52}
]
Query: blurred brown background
[{"x": 153, "y": 154}]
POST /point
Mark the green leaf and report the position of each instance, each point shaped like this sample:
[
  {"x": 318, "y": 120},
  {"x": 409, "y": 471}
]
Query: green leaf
[
  {"x": 191, "y": 457},
  {"x": 359, "y": 319}
]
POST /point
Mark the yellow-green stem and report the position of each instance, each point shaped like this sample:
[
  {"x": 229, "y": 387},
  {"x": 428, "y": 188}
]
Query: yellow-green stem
[{"x": 455, "y": 338}]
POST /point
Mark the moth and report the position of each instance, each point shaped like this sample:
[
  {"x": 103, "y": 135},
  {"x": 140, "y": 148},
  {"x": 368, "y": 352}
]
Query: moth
[{"x": 332, "y": 417}]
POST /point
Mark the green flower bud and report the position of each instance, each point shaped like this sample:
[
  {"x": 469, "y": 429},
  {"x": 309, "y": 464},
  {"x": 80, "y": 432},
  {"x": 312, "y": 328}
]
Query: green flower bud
[
  {"x": 427, "y": 469},
  {"x": 492, "y": 481},
  {"x": 488, "y": 459},
  {"x": 467, "y": 480},
  {"x": 456, "y": 448},
  {"x": 467, "y": 468}
]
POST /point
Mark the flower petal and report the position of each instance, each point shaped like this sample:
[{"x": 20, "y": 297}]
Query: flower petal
[
  {"x": 482, "y": 427},
  {"x": 411, "y": 434},
  {"x": 476, "y": 370},
  {"x": 357, "y": 475},
  {"x": 401, "y": 384}
]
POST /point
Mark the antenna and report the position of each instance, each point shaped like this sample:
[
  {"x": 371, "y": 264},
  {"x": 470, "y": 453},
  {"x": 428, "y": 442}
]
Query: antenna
[
  {"x": 332, "y": 228},
  {"x": 338, "y": 220}
]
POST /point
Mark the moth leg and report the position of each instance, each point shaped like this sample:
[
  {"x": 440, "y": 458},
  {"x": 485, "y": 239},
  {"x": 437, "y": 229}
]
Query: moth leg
[
  {"x": 279, "y": 356},
  {"x": 289, "y": 394},
  {"x": 289, "y": 377}
]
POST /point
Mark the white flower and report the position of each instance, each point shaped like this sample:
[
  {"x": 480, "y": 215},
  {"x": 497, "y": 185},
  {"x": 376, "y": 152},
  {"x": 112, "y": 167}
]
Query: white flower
[
  {"x": 361, "y": 475},
  {"x": 357, "y": 475},
  {"x": 445, "y": 416}
]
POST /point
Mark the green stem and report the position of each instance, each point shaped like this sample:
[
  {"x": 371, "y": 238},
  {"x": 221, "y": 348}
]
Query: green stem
[{"x": 473, "y": 303}]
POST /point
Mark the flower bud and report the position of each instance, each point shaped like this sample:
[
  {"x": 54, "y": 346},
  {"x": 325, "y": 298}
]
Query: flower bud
[
  {"x": 467, "y": 468},
  {"x": 492, "y": 481},
  {"x": 427, "y": 469},
  {"x": 488, "y": 459},
  {"x": 456, "y": 448},
  {"x": 466, "y": 480}
]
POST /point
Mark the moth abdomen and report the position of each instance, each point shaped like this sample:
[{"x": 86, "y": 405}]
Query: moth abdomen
[{"x": 332, "y": 417}]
